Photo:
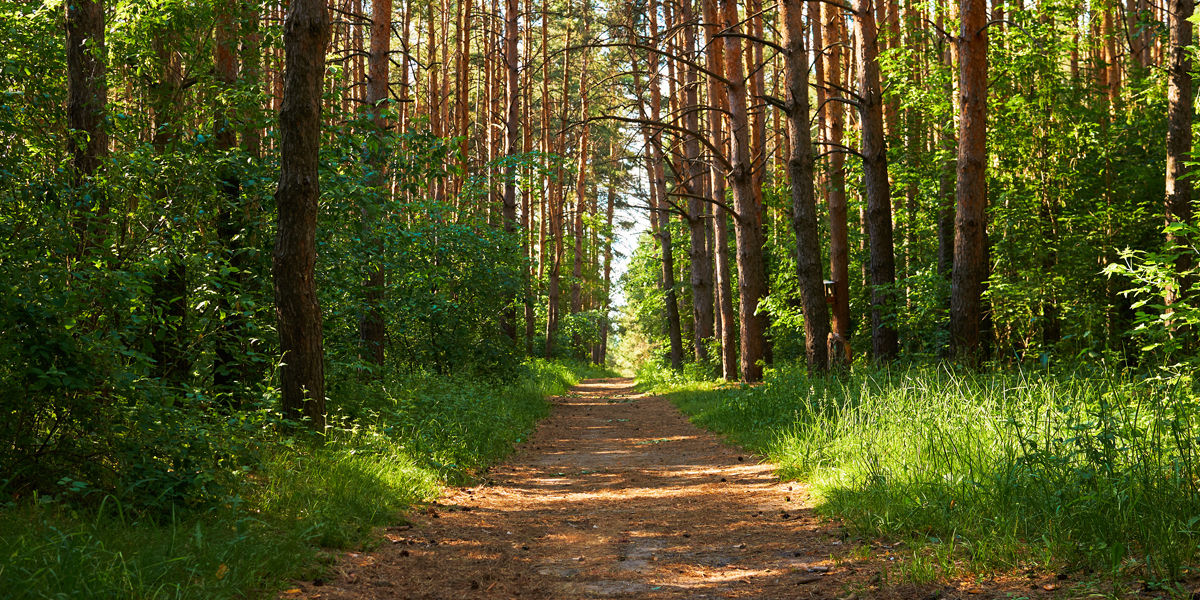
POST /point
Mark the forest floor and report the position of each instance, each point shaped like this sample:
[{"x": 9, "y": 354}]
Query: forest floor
[{"x": 617, "y": 495}]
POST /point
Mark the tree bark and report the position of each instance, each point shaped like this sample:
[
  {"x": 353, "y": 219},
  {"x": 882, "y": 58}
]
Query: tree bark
[
  {"x": 701, "y": 255},
  {"x": 87, "y": 95},
  {"x": 752, "y": 284},
  {"x": 719, "y": 102},
  {"x": 882, "y": 267},
  {"x": 970, "y": 261},
  {"x": 1178, "y": 204},
  {"x": 512, "y": 108},
  {"x": 839, "y": 229},
  {"x": 372, "y": 328},
  {"x": 658, "y": 182},
  {"x": 804, "y": 207},
  {"x": 302, "y": 377}
]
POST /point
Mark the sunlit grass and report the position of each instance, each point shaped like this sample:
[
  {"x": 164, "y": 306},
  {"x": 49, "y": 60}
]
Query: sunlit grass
[{"x": 1009, "y": 469}]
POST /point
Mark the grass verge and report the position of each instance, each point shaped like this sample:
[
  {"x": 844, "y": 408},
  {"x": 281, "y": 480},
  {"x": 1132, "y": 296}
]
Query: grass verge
[
  {"x": 996, "y": 471},
  {"x": 388, "y": 449}
]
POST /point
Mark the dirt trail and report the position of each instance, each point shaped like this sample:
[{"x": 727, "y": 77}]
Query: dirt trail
[{"x": 617, "y": 495}]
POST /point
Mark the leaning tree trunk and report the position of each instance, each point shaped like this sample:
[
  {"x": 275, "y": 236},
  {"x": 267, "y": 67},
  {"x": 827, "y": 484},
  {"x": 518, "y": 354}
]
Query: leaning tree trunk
[
  {"x": 302, "y": 377},
  {"x": 804, "y": 207},
  {"x": 970, "y": 259},
  {"x": 752, "y": 283},
  {"x": 882, "y": 261},
  {"x": 87, "y": 94}
]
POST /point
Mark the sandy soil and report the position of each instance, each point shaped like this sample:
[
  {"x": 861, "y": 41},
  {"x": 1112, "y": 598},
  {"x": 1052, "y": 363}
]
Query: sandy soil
[{"x": 617, "y": 495}]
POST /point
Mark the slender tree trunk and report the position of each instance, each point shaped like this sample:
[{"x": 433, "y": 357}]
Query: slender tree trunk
[
  {"x": 230, "y": 351},
  {"x": 302, "y": 377},
  {"x": 878, "y": 224},
  {"x": 511, "y": 112},
  {"x": 752, "y": 284},
  {"x": 581, "y": 173},
  {"x": 701, "y": 255},
  {"x": 1178, "y": 204},
  {"x": 839, "y": 229},
  {"x": 718, "y": 99},
  {"x": 606, "y": 300},
  {"x": 970, "y": 234},
  {"x": 804, "y": 206},
  {"x": 372, "y": 328},
  {"x": 658, "y": 182},
  {"x": 87, "y": 95}
]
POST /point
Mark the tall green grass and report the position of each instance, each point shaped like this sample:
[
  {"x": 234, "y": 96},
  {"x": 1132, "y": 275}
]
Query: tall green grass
[
  {"x": 390, "y": 447},
  {"x": 1010, "y": 468}
]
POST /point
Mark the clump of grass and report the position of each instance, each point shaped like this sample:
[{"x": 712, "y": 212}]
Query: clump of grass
[
  {"x": 1083, "y": 468},
  {"x": 390, "y": 447}
]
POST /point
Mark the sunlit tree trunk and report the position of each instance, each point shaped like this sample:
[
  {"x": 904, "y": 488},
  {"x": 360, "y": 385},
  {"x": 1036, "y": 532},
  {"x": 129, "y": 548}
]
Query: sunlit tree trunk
[
  {"x": 839, "y": 230},
  {"x": 718, "y": 100},
  {"x": 804, "y": 206},
  {"x": 878, "y": 217},
  {"x": 970, "y": 260},
  {"x": 512, "y": 110}
]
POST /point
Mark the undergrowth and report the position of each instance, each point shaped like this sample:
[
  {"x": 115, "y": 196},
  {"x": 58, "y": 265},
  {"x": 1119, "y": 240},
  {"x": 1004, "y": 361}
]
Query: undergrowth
[
  {"x": 1005, "y": 470},
  {"x": 389, "y": 446}
]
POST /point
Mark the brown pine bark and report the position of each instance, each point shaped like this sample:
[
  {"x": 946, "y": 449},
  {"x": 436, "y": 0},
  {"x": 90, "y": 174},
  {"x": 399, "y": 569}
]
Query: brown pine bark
[
  {"x": 970, "y": 235},
  {"x": 752, "y": 283},
  {"x": 581, "y": 173},
  {"x": 804, "y": 206},
  {"x": 601, "y": 356},
  {"x": 701, "y": 276},
  {"x": 302, "y": 376},
  {"x": 878, "y": 216},
  {"x": 660, "y": 206},
  {"x": 372, "y": 328},
  {"x": 839, "y": 229},
  {"x": 512, "y": 111},
  {"x": 718, "y": 101}
]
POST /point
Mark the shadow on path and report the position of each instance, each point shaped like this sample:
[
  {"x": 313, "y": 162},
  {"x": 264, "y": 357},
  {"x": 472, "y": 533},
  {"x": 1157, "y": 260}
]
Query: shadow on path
[{"x": 616, "y": 495}]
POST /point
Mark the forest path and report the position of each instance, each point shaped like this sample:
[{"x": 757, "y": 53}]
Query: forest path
[{"x": 616, "y": 495}]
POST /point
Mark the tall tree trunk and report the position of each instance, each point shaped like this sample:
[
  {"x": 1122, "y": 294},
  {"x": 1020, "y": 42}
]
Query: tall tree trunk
[
  {"x": 581, "y": 173},
  {"x": 511, "y": 111},
  {"x": 1178, "y": 204},
  {"x": 302, "y": 377},
  {"x": 970, "y": 261},
  {"x": 87, "y": 96},
  {"x": 372, "y": 329},
  {"x": 605, "y": 302},
  {"x": 230, "y": 351},
  {"x": 701, "y": 255},
  {"x": 804, "y": 206},
  {"x": 658, "y": 182},
  {"x": 878, "y": 216},
  {"x": 839, "y": 229},
  {"x": 752, "y": 283},
  {"x": 718, "y": 100}
]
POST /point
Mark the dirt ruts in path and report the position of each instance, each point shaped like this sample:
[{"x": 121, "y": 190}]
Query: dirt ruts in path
[{"x": 616, "y": 495}]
